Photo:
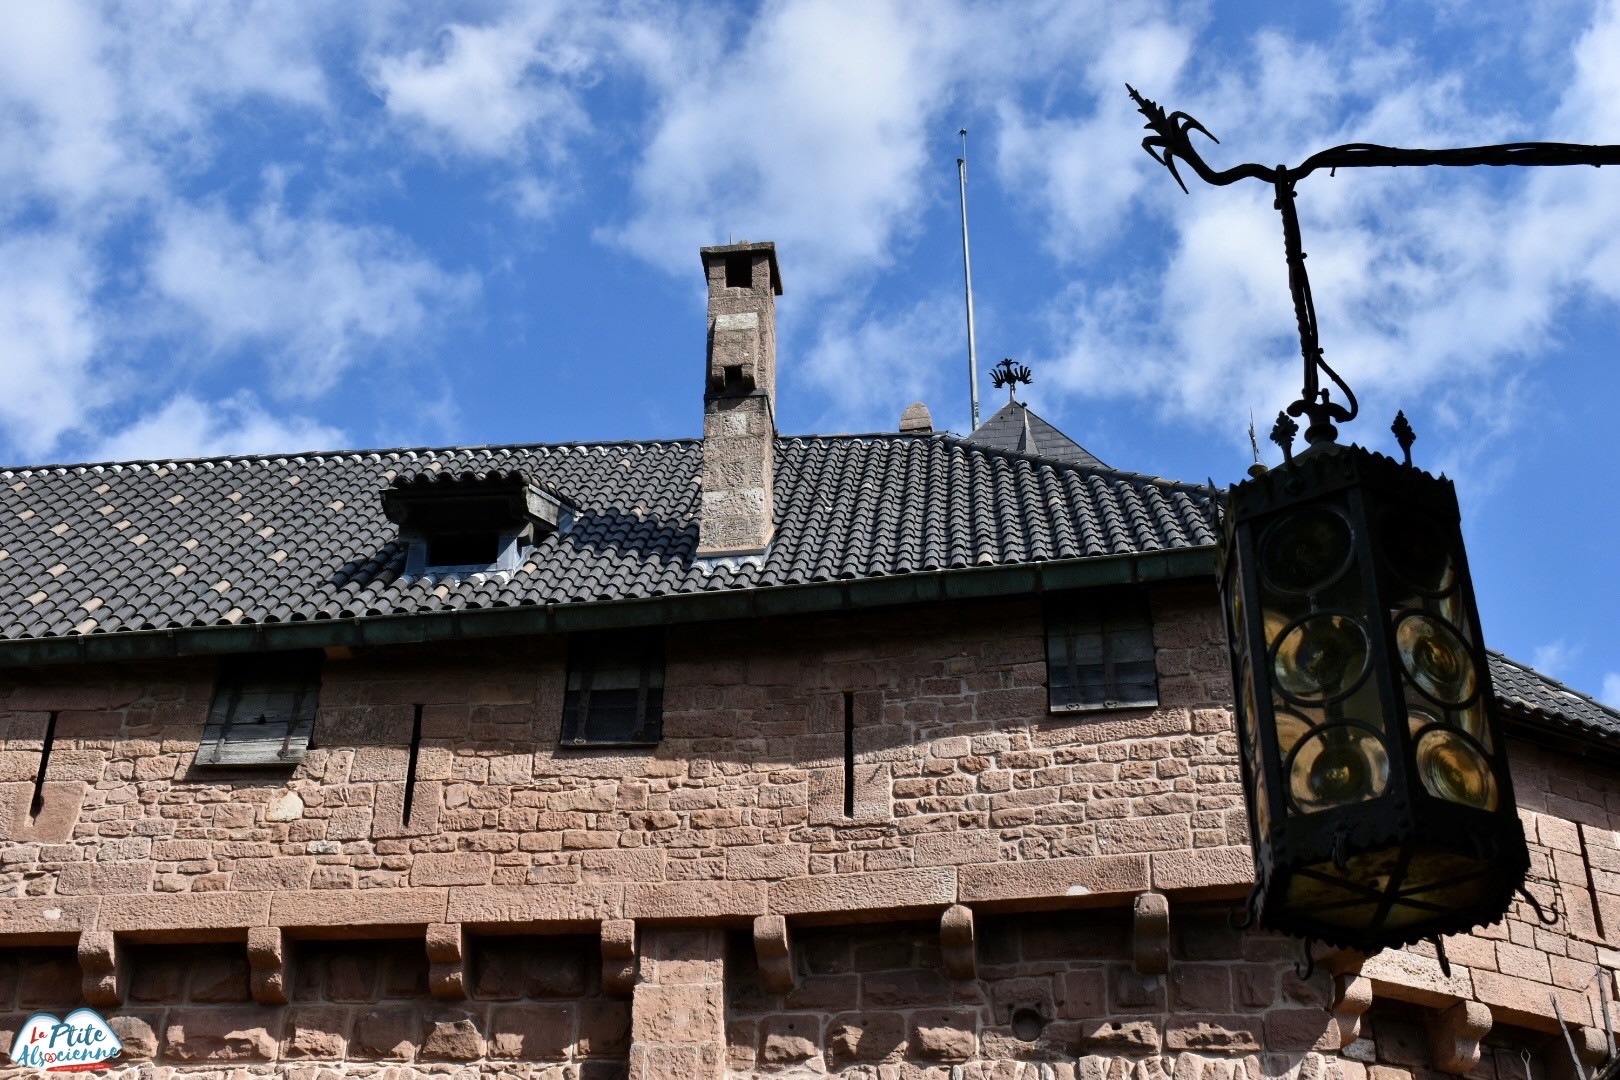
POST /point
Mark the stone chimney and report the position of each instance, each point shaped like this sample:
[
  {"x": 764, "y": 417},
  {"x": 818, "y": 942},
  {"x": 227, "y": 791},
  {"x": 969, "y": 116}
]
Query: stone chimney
[{"x": 739, "y": 399}]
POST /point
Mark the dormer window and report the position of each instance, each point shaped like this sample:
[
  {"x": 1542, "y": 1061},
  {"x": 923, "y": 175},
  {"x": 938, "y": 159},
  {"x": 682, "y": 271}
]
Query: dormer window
[{"x": 469, "y": 523}]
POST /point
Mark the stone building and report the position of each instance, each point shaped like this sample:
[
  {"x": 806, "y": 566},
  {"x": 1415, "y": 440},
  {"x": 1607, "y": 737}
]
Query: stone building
[{"x": 894, "y": 755}]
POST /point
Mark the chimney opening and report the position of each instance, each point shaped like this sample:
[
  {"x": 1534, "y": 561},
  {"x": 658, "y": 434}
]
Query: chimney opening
[
  {"x": 740, "y": 270},
  {"x": 733, "y": 375}
]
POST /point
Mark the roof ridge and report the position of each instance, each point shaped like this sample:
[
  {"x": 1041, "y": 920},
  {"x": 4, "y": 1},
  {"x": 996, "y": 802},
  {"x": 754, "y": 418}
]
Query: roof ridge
[
  {"x": 1556, "y": 684},
  {"x": 216, "y": 459}
]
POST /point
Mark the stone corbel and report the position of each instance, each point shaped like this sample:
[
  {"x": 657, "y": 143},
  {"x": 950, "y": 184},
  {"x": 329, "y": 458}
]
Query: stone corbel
[
  {"x": 956, "y": 941},
  {"x": 1352, "y": 996},
  {"x": 1150, "y": 936},
  {"x": 774, "y": 951},
  {"x": 267, "y": 958},
  {"x": 1455, "y": 1034},
  {"x": 98, "y": 959},
  {"x": 447, "y": 961},
  {"x": 619, "y": 957}
]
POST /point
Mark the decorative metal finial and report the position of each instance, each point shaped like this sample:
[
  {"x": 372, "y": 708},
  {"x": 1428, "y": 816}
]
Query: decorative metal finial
[
  {"x": 1259, "y": 467},
  {"x": 1404, "y": 434},
  {"x": 1283, "y": 432},
  {"x": 1172, "y": 139},
  {"x": 1009, "y": 374}
]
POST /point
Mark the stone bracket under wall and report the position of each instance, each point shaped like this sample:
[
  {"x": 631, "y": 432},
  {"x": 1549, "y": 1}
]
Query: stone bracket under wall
[
  {"x": 774, "y": 951},
  {"x": 267, "y": 958},
  {"x": 1455, "y": 1034},
  {"x": 956, "y": 941},
  {"x": 98, "y": 959},
  {"x": 1352, "y": 996},
  {"x": 1150, "y": 933},
  {"x": 447, "y": 961},
  {"x": 618, "y": 957}
]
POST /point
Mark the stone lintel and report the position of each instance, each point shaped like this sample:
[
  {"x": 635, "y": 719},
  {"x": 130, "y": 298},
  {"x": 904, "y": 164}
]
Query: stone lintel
[
  {"x": 774, "y": 951},
  {"x": 547, "y": 908},
  {"x": 1204, "y": 873},
  {"x": 694, "y": 901},
  {"x": 873, "y": 895},
  {"x": 98, "y": 959},
  {"x": 1068, "y": 882},
  {"x": 1455, "y": 1034},
  {"x": 447, "y": 961},
  {"x": 52, "y": 920},
  {"x": 184, "y": 916},
  {"x": 397, "y": 912},
  {"x": 956, "y": 942},
  {"x": 267, "y": 959},
  {"x": 619, "y": 957},
  {"x": 1150, "y": 933}
]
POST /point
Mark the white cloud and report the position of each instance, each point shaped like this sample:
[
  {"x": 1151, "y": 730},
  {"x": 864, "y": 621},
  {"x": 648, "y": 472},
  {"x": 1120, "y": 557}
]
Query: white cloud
[
  {"x": 1553, "y": 658},
  {"x": 48, "y": 339},
  {"x": 315, "y": 294},
  {"x": 188, "y": 427},
  {"x": 495, "y": 90},
  {"x": 1611, "y": 689},
  {"x": 871, "y": 366}
]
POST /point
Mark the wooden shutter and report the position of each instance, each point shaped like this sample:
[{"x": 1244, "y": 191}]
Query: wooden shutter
[{"x": 263, "y": 711}]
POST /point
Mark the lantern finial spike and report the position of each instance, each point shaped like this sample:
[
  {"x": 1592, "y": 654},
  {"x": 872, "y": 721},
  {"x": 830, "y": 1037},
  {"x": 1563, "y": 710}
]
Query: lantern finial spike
[{"x": 1402, "y": 427}]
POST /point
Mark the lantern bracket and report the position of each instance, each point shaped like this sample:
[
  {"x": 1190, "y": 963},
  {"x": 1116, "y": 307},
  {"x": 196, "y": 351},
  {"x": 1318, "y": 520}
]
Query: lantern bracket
[{"x": 1172, "y": 139}]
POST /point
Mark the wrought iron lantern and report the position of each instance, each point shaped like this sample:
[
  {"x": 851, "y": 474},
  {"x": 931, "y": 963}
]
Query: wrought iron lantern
[{"x": 1380, "y": 801}]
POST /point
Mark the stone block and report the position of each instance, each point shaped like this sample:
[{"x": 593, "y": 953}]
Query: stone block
[
  {"x": 365, "y": 907},
  {"x": 50, "y": 981},
  {"x": 316, "y": 1031},
  {"x": 767, "y": 862},
  {"x": 451, "y": 1035},
  {"x": 788, "y": 1040},
  {"x": 946, "y": 1035},
  {"x": 1300, "y": 1029},
  {"x": 452, "y": 868},
  {"x": 892, "y": 891},
  {"x": 1215, "y": 871},
  {"x": 1132, "y": 1036},
  {"x": 681, "y": 1013},
  {"x": 539, "y": 906},
  {"x": 388, "y": 1033},
  {"x": 1224, "y": 1034},
  {"x": 865, "y": 1037},
  {"x": 1070, "y": 878},
  {"x": 957, "y": 848},
  {"x": 220, "y": 978},
  {"x": 219, "y": 1035},
  {"x": 138, "y": 1033},
  {"x": 184, "y": 913},
  {"x": 604, "y": 1029},
  {"x": 680, "y": 900},
  {"x": 61, "y": 802},
  {"x": 532, "y": 1032},
  {"x": 54, "y": 919}
]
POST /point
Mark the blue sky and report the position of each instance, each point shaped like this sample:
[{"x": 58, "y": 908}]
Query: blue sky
[{"x": 251, "y": 227}]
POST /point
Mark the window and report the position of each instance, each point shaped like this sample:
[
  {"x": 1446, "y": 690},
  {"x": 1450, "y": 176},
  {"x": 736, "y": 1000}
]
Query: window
[
  {"x": 1099, "y": 652},
  {"x": 263, "y": 710},
  {"x": 615, "y": 690}
]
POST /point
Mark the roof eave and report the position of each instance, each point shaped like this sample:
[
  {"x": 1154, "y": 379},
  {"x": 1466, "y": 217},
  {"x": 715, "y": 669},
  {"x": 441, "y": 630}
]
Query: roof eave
[{"x": 968, "y": 583}]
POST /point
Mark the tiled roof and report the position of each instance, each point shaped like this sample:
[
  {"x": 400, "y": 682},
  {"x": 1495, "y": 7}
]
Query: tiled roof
[
  {"x": 99, "y": 549},
  {"x": 1529, "y": 694},
  {"x": 1016, "y": 427}
]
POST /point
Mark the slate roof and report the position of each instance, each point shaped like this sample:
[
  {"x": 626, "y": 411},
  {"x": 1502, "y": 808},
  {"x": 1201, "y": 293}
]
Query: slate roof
[
  {"x": 1529, "y": 694},
  {"x": 99, "y": 549},
  {"x": 1016, "y": 427}
]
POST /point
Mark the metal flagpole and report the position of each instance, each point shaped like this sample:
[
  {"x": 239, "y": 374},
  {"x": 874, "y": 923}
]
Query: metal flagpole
[{"x": 967, "y": 273}]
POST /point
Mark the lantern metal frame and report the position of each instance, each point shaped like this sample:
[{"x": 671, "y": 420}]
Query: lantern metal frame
[{"x": 1383, "y": 843}]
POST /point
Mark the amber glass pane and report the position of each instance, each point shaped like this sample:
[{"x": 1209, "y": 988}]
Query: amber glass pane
[
  {"x": 1339, "y": 765},
  {"x": 1435, "y": 658},
  {"x": 1306, "y": 550}
]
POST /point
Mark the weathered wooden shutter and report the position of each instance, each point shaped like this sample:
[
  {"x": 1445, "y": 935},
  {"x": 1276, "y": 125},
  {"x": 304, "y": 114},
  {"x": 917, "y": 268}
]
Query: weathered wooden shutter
[
  {"x": 1099, "y": 652},
  {"x": 615, "y": 694},
  {"x": 263, "y": 710}
]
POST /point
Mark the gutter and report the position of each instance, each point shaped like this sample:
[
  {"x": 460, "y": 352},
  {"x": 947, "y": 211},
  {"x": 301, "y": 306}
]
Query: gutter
[{"x": 860, "y": 594}]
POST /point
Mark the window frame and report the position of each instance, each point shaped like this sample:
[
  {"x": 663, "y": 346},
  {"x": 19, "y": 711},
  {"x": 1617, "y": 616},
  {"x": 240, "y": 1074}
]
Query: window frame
[
  {"x": 586, "y": 653},
  {"x": 1100, "y": 614},
  {"x": 243, "y": 675}
]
